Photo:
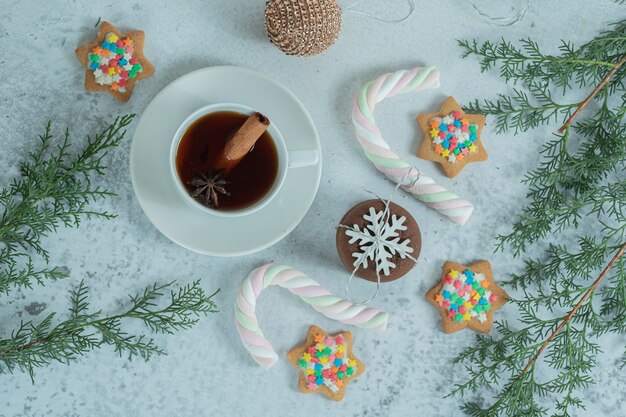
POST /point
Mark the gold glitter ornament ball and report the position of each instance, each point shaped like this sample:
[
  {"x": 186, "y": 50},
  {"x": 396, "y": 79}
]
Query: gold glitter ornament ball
[{"x": 302, "y": 27}]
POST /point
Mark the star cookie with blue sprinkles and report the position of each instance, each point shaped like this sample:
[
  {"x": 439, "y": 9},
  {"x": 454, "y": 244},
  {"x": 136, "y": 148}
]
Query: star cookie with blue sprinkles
[
  {"x": 467, "y": 297},
  {"x": 114, "y": 61},
  {"x": 326, "y": 363},
  {"x": 452, "y": 137}
]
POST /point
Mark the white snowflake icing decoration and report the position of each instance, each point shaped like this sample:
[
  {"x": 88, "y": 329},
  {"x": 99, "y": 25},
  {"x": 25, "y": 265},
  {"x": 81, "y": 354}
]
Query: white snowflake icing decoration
[{"x": 379, "y": 240}]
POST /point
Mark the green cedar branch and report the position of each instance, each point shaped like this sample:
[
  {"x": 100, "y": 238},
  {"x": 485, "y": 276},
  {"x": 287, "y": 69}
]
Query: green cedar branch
[
  {"x": 569, "y": 316},
  {"x": 598, "y": 63},
  {"x": 35, "y": 345},
  {"x": 595, "y": 91},
  {"x": 580, "y": 181},
  {"x": 55, "y": 189}
]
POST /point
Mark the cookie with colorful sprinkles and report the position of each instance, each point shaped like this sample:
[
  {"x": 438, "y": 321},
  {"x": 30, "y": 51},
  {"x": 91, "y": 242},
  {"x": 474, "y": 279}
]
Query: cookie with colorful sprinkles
[
  {"x": 467, "y": 296},
  {"x": 452, "y": 137},
  {"x": 325, "y": 363},
  {"x": 114, "y": 61}
]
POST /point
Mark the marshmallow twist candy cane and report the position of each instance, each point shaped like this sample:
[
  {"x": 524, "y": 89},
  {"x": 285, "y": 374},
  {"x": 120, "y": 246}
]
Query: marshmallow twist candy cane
[
  {"x": 387, "y": 161},
  {"x": 309, "y": 291}
]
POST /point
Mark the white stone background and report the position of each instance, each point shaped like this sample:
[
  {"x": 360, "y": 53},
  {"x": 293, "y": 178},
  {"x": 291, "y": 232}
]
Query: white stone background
[{"x": 207, "y": 371}]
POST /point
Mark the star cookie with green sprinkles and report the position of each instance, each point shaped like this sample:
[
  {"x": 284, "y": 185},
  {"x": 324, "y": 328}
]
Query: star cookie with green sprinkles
[
  {"x": 114, "y": 61},
  {"x": 467, "y": 296},
  {"x": 325, "y": 363},
  {"x": 452, "y": 137}
]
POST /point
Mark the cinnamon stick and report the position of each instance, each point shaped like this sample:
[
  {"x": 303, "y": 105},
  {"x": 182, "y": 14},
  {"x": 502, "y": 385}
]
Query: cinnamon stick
[{"x": 241, "y": 143}]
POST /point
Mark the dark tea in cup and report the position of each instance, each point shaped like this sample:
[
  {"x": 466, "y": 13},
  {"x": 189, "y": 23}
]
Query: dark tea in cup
[{"x": 201, "y": 145}]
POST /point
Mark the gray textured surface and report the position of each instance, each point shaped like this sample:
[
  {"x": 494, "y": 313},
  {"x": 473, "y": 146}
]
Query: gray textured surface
[{"x": 207, "y": 371}]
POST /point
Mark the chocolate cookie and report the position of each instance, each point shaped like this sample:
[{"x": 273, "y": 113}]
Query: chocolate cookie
[{"x": 408, "y": 234}]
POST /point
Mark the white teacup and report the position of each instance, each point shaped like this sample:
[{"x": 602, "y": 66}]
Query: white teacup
[{"x": 286, "y": 160}]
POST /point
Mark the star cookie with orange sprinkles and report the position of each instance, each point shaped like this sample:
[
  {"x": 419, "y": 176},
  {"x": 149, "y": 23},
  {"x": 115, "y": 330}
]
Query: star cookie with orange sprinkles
[
  {"x": 452, "y": 137},
  {"x": 467, "y": 296},
  {"x": 114, "y": 61},
  {"x": 326, "y": 363}
]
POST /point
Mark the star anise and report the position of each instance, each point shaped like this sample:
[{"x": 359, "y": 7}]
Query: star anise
[{"x": 211, "y": 185}]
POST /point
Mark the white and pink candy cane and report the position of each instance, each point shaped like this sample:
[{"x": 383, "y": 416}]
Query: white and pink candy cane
[
  {"x": 387, "y": 161},
  {"x": 309, "y": 291}
]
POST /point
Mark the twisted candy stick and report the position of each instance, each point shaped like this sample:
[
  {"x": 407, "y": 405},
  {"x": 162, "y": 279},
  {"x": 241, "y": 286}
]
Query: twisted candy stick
[
  {"x": 309, "y": 291},
  {"x": 387, "y": 161}
]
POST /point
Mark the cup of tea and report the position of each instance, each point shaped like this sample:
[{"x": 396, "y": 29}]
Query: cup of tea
[{"x": 256, "y": 179}]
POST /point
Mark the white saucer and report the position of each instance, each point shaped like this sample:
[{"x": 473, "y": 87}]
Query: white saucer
[{"x": 154, "y": 186}]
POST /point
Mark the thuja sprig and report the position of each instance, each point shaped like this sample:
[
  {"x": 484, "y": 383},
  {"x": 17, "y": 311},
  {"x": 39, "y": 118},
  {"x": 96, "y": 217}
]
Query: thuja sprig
[
  {"x": 580, "y": 67},
  {"x": 568, "y": 349},
  {"x": 55, "y": 189},
  {"x": 523, "y": 110},
  {"x": 565, "y": 303},
  {"x": 540, "y": 74},
  {"x": 34, "y": 345}
]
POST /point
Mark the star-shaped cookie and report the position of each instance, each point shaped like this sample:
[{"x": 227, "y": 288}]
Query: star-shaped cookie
[
  {"x": 325, "y": 363},
  {"x": 467, "y": 296},
  {"x": 452, "y": 137},
  {"x": 114, "y": 61}
]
